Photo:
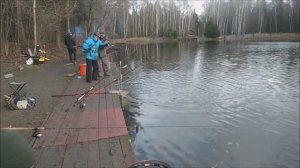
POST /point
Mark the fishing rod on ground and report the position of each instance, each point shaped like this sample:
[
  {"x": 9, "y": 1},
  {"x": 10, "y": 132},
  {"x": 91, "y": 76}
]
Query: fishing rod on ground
[
  {"x": 98, "y": 91},
  {"x": 80, "y": 99}
]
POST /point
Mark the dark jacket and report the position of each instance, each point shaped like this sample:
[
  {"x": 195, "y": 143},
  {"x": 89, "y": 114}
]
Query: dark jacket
[{"x": 70, "y": 42}]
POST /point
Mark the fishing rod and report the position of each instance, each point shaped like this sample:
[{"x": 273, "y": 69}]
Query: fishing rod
[
  {"x": 99, "y": 91},
  {"x": 80, "y": 99},
  {"x": 137, "y": 127}
]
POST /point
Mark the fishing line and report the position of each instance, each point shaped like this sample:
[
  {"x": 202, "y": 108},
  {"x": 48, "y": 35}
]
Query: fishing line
[{"x": 138, "y": 127}]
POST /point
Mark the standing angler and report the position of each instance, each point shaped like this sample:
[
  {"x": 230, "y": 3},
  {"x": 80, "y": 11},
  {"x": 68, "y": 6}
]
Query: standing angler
[
  {"x": 103, "y": 55},
  {"x": 71, "y": 46},
  {"x": 90, "y": 49}
]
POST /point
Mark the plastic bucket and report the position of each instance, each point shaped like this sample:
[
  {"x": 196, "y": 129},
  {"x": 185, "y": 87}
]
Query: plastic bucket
[{"x": 82, "y": 69}]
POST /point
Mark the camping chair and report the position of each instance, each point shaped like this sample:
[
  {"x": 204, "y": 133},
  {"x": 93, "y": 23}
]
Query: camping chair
[
  {"x": 17, "y": 87},
  {"x": 17, "y": 100}
]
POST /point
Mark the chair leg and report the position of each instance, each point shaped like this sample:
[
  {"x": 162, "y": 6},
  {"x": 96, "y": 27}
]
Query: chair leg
[{"x": 17, "y": 91}]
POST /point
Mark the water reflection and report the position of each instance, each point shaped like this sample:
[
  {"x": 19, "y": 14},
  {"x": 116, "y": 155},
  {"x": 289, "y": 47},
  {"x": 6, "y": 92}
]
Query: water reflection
[{"x": 215, "y": 105}]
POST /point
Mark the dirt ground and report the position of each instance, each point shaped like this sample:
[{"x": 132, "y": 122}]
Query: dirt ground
[{"x": 43, "y": 81}]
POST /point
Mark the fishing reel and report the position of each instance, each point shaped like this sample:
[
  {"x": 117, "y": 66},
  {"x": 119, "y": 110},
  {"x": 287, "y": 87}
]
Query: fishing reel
[
  {"x": 36, "y": 133},
  {"x": 81, "y": 104}
]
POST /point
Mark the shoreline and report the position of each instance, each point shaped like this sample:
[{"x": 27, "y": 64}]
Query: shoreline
[
  {"x": 55, "y": 54},
  {"x": 246, "y": 37}
]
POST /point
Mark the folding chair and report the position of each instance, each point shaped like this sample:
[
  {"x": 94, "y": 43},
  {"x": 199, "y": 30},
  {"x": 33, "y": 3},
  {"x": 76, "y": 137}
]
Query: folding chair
[
  {"x": 17, "y": 87},
  {"x": 17, "y": 99}
]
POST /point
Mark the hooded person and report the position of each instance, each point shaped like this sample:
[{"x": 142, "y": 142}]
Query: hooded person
[
  {"x": 90, "y": 49},
  {"x": 71, "y": 46}
]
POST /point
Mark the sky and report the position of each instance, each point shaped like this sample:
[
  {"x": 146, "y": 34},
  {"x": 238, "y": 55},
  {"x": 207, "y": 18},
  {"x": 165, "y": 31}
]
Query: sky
[
  {"x": 197, "y": 5},
  {"x": 194, "y": 4}
]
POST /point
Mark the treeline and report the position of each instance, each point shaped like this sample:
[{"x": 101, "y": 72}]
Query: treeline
[
  {"x": 138, "y": 18},
  {"x": 238, "y": 17}
]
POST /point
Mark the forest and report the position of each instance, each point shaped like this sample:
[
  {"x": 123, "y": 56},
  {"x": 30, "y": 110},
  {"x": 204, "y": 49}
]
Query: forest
[{"x": 27, "y": 22}]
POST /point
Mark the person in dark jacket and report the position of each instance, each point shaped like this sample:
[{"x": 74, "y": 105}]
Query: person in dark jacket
[
  {"x": 90, "y": 49},
  {"x": 71, "y": 46},
  {"x": 103, "y": 56}
]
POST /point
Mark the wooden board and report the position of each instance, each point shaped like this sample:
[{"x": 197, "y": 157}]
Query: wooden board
[{"x": 95, "y": 136}]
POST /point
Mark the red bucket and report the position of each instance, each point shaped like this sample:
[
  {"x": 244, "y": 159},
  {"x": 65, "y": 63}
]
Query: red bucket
[{"x": 82, "y": 69}]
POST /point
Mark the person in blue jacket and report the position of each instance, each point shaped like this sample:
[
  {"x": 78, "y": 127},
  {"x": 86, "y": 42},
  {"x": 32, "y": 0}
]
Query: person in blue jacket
[{"x": 90, "y": 49}]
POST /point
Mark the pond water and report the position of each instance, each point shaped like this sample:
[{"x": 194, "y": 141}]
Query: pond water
[{"x": 215, "y": 104}]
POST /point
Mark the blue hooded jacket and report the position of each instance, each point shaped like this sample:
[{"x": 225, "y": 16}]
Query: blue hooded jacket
[{"x": 91, "y": 46}]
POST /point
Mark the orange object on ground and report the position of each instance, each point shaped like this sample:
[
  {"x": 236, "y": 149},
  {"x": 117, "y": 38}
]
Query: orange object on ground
[{"x": 82, "y": 69}]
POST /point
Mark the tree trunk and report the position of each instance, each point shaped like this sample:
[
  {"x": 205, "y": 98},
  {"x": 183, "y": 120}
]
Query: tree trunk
[
  {"x": 157, "y": 19},
  {"x": 58, "y": 34},
  {"x": 20, "y": 29},
  {"x": 34, "y": 23},
  {"x": 90, "y": 18},
  {"x": 68, "y": 16}
]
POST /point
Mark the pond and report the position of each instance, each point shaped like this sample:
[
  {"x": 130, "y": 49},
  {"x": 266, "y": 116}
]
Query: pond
[{"x": 215, "y": 104}]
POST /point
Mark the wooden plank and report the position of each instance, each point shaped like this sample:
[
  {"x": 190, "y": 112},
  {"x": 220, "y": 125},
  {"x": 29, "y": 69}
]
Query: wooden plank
[
  {"x": 69, "y": 157},
  {"x": 117, "y": 155},
  {"x": 105, "y": 153},
  {"x": 127, "y": 151},
  {"x": 52, "y": 157},
  {"x": 102, "y": 118},
  {"x": 94, "y": 154},
  {"x": 38, "y": 153},
  {"x": 71, "y": 117},
  {"x": 76, "y": 155},
  {"x": 55, "y": 119},
  {"x": 58, "y": 114},
  {"x": 88, "y": 134},
  {"x": 62, "y": 136},
  {"x": 48, "y": 137},
  {"x": 89, "y": 120},
  {"x": 52, "y": 135},
  {"x": 72, "y": 136},
  {"x": 116, "y": 124},
  {"x": 102, "y": 113},
  {"x": 81, "y": 159},
  {"x": 120, "y": 122}
]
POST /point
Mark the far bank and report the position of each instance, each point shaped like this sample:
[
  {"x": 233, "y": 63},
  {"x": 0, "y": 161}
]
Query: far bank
[{"x": 246, "y": 37}]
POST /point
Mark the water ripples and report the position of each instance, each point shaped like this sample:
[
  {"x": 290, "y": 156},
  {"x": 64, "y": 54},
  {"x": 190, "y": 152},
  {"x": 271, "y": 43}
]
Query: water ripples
[{"x": 224, "y": 106}]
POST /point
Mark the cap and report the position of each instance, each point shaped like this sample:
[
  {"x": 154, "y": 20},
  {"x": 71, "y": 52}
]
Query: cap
[{"x": 97, "y": 34}]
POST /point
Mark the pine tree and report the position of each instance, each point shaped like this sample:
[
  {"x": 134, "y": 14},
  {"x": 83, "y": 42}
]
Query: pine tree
[{"x": 211, "y": 30}]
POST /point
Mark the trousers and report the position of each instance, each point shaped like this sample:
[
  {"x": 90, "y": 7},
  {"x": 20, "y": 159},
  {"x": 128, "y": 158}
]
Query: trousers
[{"x": 92, "y": 69}]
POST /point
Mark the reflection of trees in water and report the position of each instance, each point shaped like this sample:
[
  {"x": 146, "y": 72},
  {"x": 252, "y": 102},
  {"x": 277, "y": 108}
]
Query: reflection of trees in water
[
  {"x": 159, "y": 56},
  {"x": 155, "y": 56},
  {"x": 130, "y": 114}
]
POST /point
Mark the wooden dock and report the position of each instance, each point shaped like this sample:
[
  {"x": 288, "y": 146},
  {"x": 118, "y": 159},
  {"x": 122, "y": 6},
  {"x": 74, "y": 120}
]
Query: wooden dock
[{"x": 95, "y": 136}]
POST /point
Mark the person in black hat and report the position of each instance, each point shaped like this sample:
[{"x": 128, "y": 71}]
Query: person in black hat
[
  {"x": 71, "y": 46},
  {"x": 103, "y": 55}
]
